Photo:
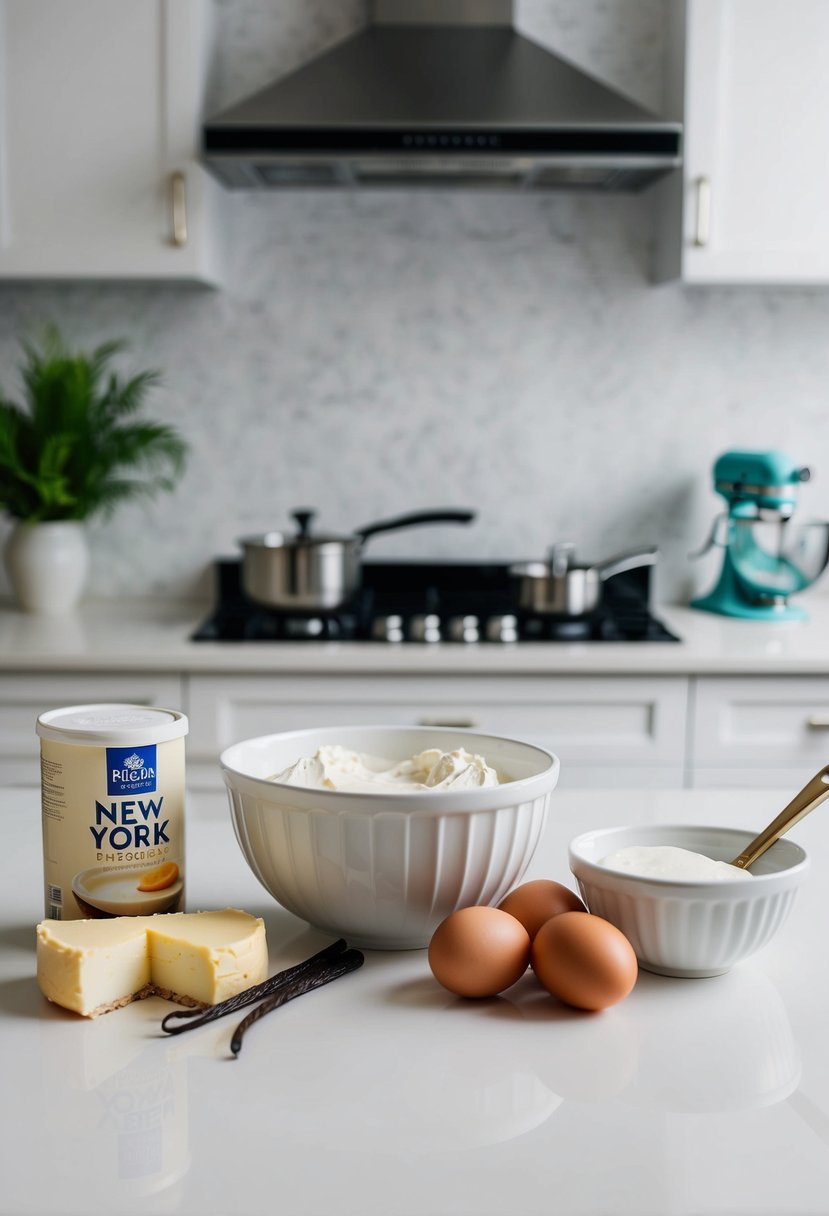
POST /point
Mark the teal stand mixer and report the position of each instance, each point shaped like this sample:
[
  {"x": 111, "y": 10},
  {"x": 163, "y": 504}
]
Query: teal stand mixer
[{"x": 767, "y": 556}]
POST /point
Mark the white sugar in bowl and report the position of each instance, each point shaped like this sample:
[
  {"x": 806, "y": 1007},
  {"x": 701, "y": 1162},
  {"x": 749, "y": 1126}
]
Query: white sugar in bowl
[{"x": 689, "y": 928}]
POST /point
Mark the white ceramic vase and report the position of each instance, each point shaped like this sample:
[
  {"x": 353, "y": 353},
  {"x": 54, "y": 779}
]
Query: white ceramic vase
[{"x": 48, "y": 565}]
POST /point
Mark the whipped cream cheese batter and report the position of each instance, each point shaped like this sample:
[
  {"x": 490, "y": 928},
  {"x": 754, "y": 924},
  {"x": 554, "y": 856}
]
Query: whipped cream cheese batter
[
  {"x": 669, "y": 861},
  {"x": 339, "y": 768}
]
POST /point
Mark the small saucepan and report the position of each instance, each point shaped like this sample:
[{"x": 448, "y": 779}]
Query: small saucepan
[
  {"x": 562, "y": 587},
  {"x": 318, "y": 572}
]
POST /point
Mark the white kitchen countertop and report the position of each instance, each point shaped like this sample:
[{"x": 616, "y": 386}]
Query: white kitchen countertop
[
  {"x": 382, "y": 1095},
  {"x": 154, "y": 635}
]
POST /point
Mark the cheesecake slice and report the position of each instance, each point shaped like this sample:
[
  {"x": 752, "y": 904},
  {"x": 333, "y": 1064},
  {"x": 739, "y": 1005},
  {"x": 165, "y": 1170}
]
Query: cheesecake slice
[{"x": 195, "y": 958}]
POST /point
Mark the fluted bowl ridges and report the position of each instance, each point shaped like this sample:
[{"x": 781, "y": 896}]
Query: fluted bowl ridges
[
  {"x": 383, "y": 870},
  {"x": 687, "y": 928}
]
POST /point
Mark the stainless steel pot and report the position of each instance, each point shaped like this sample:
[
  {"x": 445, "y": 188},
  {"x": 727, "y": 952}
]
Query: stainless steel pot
[
  {"x": 562, "y": 587},
  {"x": 318, "y": 572}
]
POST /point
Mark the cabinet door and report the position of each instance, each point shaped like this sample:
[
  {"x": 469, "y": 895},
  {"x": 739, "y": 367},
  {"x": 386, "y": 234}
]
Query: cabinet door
[
  {"x": 23, "y": 698},
  {"x": 756, "y": 178},
  {"x": 754, "y": 731},
  {"x": 99, "y": 124},
  {"x": 614, "y": 731}
]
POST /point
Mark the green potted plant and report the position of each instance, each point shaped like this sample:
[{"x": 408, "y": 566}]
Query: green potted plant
[{"x": 75, "y": 448}]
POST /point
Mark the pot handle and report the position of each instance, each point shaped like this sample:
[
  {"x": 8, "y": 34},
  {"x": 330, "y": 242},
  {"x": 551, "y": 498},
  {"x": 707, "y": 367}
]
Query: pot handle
[
  {"x": 626, "y": 561},
  {"x": 413, "y": 519},
  {"x": 561, "y": 555},
  {"x": 303, "y": 518}
]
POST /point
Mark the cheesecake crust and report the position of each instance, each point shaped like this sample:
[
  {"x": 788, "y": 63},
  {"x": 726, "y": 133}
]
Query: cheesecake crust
[{"x": 178, "y": 998}]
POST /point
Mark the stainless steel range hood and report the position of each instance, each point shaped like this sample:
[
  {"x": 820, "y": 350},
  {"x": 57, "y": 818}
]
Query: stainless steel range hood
[{"x": 440, "y": 94}]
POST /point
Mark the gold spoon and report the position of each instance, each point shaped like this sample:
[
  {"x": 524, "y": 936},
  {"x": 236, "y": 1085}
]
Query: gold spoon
[{"x": 810, "y": 796}]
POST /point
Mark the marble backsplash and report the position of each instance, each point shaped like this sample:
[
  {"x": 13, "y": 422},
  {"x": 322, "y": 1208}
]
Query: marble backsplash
[{"x": 377, "y": 353}]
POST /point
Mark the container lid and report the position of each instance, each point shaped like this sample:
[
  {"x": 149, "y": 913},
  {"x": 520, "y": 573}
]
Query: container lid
[{"x": 103, "y": 725}]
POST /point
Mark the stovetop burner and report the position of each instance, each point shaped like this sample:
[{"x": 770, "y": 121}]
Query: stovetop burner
[{"x": 427, "y": 602}]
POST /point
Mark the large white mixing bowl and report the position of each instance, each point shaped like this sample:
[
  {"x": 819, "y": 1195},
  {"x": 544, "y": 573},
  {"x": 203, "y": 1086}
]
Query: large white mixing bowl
[{"x": 383, "y": 870}]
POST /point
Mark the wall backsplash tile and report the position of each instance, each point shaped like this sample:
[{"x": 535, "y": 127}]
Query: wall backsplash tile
[{"x": 373, "y": 354}]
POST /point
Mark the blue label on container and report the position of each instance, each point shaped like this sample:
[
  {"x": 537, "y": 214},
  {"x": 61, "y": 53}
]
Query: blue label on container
[{"x": 131, "y": 769}]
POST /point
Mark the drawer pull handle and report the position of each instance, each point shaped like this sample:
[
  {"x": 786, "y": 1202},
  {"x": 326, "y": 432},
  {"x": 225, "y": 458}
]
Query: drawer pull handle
[
  {"x": 818, "y": 722},
  {"x": 178, "y": 209},
  {"x": 702, "y": 228},
  {"x": 458, "y": 723}
]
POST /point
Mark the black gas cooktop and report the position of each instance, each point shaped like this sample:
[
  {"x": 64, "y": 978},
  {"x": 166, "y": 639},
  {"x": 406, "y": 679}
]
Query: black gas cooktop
[{"x": 427, "y": 602}]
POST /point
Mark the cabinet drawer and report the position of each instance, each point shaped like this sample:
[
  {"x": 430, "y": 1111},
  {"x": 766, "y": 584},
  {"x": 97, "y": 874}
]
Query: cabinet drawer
[
  {"x": 768, "y": 723},
  {"x": 23, "y": 698},
  {"x": 592, "y": 724}
]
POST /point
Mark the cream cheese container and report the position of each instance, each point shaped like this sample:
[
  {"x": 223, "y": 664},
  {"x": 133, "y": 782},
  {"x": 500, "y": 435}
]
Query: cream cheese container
[{"x": 112, "y": 798}]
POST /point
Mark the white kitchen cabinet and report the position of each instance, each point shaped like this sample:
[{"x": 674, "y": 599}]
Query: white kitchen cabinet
[
  {"x": 758, "y": 732},
  {"x": 100, "y": 113},
  {"x": 24, "y": 697},
  {"x": 608, "y": 731},
  {"x": 750, "y": 204}
]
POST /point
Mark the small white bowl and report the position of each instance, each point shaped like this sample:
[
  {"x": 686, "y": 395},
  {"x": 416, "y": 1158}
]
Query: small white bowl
[
  {"x": 689, "y": 928},
  {"x": 383, "y": 870}
]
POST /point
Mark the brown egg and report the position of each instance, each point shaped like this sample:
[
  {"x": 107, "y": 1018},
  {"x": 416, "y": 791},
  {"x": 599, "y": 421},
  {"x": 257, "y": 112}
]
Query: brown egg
[
  {"x": 479, "y": 951},
  {"x": 533, "y": 903},
  {"x": 584, "y": 960}
]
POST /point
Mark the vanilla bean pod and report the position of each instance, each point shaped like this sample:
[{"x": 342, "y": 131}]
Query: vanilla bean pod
[
  {"x": 193, "y": 1018},
  {"x": 324, "y": 973}
]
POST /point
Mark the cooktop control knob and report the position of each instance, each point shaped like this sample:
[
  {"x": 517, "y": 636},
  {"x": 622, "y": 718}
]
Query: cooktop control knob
[
  {"x": 424, "y": 627},
  {"x": 387, "y": 628},
  {"x": 304, "y": 627},
  {"x": 463, "y": 629},
  {"x": 502, "y": 628}
]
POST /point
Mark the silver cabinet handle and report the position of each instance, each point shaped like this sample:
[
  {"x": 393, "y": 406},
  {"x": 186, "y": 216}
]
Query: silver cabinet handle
[
  {"x": 818, "y": 722},
  {"x": 702, "y": 233},
  {"x": 458, "y": 723},
  {"x": 178, "y": 208}
]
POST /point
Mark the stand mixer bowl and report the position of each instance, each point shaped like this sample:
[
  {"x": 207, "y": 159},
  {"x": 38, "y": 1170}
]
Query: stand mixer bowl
[{"x": 774, "y": 559}]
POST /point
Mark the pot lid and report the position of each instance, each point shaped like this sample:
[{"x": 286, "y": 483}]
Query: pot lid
[{"x": 303, "y": 537}]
